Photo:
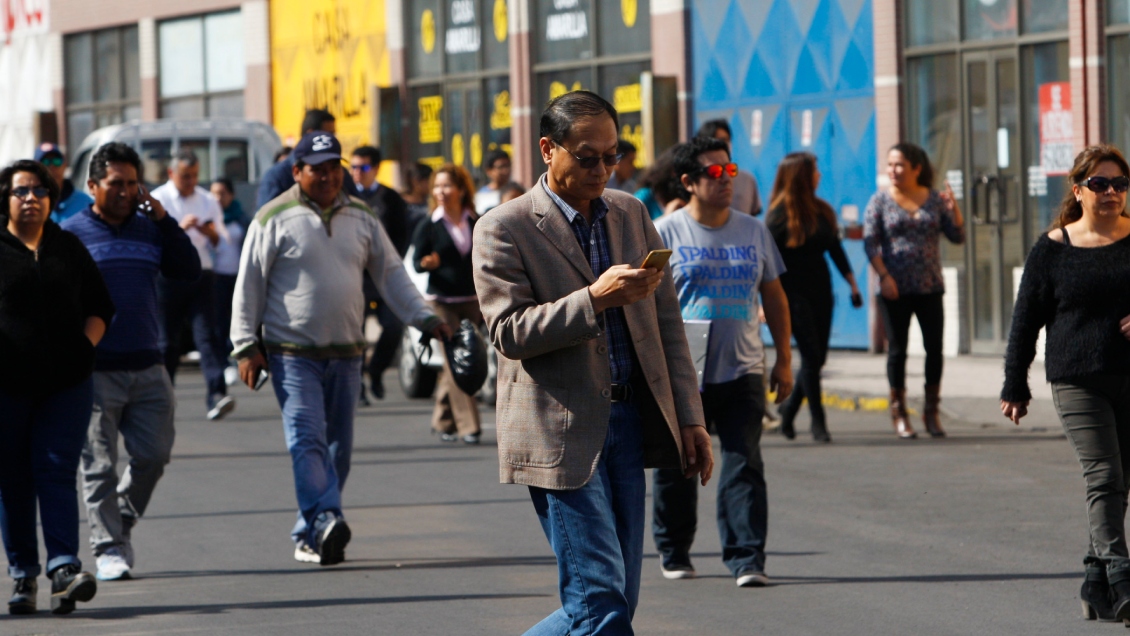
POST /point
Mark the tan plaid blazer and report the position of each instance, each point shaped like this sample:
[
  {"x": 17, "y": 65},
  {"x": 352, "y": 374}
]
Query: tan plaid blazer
[{"x": 553, "y": 374}]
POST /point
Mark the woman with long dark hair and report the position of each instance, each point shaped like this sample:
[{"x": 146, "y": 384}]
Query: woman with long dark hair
[
  {"x": 901, "y": 233},
  {"x": 804, "y": 228},
  {"x": 1076, "y": 283}
]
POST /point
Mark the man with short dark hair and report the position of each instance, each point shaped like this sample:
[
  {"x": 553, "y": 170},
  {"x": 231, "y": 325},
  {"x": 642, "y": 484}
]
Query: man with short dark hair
[
  {"x": 496, "y": 165},
  {"x": 746, "y": 196},
  {"x": 133, "y": 240},
  {"x": 71, "y": 200},
  {"x": 280, "y": 177},
  {"x": 595, "y": 379},
  {"x": 624, "y": 174},
  {"x": 201, "y": 217},
  {"x": 300, "y": 280},
  {"x": 722, "y": 262}
]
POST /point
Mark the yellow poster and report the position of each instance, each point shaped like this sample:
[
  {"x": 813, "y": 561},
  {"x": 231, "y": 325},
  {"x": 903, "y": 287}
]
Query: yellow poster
[{"x": 327, "y": 54}]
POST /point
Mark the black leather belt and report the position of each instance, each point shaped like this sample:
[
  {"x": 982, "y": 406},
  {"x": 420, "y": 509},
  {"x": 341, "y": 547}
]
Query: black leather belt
[{"x": 621, "y": 392}]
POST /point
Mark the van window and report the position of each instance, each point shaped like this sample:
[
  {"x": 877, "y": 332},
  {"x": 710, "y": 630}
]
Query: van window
[
  {"x": 203, "y": 150},
  {"x": 231, "y": 159},
  {"x": 80, "y": 169},
  {"x": 155, "y": 156}
]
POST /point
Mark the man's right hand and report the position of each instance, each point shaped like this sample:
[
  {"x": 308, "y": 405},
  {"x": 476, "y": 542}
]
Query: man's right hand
[
  {"x": 249, "y": 368},
  {"x": 188, "y": 222},
  {"x": 621, "y": 285}
]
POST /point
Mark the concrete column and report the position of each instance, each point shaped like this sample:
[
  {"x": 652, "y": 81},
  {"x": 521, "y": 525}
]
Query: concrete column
[
  {"x": 522, "y": 136},
  {"x": 147, "y": 51},
  {"x": 257, "y": 58},
  {"x": 58, "y": 96},
  {"x": 1087, "y": 61},
  {"x": 669, "y": 53},
  {"x": 888, "y": 125}
]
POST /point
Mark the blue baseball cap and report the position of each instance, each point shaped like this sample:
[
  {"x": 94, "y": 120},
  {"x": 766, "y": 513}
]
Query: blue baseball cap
[
  {"x": 316, "y": 148},
  {"x": 46, "y": 149}
]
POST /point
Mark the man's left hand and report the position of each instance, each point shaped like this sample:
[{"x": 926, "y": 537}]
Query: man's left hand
[
  {"x": 781, "y": 379},
  {"x": 698, "y": 451},
  {"x": 443, "y": 331}
]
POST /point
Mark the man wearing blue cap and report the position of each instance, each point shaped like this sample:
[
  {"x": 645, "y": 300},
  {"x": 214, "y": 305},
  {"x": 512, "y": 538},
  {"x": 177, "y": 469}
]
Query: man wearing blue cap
[
  {"x": 300, "y": 280},
  {"x": 71, "y": 199}
]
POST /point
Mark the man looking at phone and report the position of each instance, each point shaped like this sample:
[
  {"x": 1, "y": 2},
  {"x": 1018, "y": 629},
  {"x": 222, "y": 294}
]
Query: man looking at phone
[
  {"x": 723, "y": 259},
  {"x": 133, "y": 240},
  {"x": 595, "y": 379},
  {"x": 201, "y": 217},
  {"x": 300, "y": 280}
]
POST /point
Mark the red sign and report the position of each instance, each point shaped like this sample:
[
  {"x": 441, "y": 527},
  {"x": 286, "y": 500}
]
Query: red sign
[{"x": 1057, "y": 134}]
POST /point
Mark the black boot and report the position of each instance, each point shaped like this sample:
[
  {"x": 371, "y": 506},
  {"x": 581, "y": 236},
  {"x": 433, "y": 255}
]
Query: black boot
[
  {"x": 1095, "y": 597},
  {"x": 68, "y": 585},
  {"x": 820, "y": 431},
  {"x": 23, "y": 596},
  {"x": 1120, "y": 599},
  {"x": 788, "y": 411}
]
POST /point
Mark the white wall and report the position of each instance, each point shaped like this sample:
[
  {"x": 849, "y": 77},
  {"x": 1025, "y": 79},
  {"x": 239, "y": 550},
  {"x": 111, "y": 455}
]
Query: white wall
[{"x": 25, "y": 75}]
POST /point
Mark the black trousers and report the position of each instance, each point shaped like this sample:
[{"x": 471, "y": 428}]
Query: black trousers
[
  {"x": 194, "y": 302},
  {"x": 896, "y": 318},
  {"x": 392, "y": 330},
  {"x": 811, "y": 315}
]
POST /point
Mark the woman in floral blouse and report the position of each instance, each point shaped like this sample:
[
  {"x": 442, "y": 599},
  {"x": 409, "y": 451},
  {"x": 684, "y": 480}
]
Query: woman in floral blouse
[{"x": 900, "y": 232}]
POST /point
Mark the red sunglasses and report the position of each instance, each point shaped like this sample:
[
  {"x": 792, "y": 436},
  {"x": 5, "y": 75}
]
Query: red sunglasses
[{"x": 715, "y": 171}]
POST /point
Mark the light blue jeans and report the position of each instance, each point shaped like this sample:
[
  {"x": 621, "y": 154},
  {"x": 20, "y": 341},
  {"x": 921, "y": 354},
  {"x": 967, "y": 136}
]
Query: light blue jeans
[
  {"x": 596, "y": 533},
  {"x": 317, "y": 398}
]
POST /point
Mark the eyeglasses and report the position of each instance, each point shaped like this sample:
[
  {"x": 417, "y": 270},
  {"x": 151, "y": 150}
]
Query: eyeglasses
[
  {"x": 715, "y": 171},
  {"x": 1100, "y": 184},
  {"x": 53, "y": 162},
  {"x": 362, "y": 168},
  {"x": 588, "y": 163},
  {"x": 22, "y": 192}
]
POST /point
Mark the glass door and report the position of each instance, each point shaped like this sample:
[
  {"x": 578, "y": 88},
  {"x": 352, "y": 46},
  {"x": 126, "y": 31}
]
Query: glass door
[{"x": 994, "y": 227}]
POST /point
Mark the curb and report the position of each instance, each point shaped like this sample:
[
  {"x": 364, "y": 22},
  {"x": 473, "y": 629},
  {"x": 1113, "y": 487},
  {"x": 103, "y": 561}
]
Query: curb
[{"x": 843, "y": 402}]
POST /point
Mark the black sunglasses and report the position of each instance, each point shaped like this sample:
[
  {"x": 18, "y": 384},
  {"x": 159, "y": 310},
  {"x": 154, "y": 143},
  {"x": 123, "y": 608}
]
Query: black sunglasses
[
  {"x": 53, "y": 162},
  {"x": 22, "y": 192},
  {"x": 588, "y": 163},
  {"x": 1100, "y": 184},
  {"x": 362, "y": 167}
]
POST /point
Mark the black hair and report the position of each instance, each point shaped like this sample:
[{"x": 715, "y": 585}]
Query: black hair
[
  {"x": 625, "y": 147},
  {"x": 226, "y": 182},
  {"x": 369, "y": 152},
  {"x": 113, "y": 152},
  {"x": 316, "y": 118},
  {"x": 661, "y": 178},
  {"x": 33, "y": 167},
  {"x": 686, "y": 155},
  {"x": 184, "y": 157},
  {"x": 919, "y": 159},
  {"x": 415, "y": 172},
  {"x": 564, "y": 111},
  {"x": 711, "y": 127},
  {"x": 283, "y": 153},
  {"x": 511, "y": 187},
  {"x": 493, "y": 156}
]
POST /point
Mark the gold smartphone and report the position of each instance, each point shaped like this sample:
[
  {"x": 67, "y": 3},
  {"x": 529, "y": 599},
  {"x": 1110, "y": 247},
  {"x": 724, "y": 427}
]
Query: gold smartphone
[{"x": 656, "y": 259}]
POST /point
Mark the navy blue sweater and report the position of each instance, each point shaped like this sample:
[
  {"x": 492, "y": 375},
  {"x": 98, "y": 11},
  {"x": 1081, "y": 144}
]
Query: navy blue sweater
[{"x": 130, "y": 257}]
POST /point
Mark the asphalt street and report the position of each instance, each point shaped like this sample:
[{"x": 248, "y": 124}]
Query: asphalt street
[{"x": 980, "y": 533}]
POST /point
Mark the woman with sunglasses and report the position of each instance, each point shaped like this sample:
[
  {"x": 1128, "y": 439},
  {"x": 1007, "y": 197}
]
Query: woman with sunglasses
[
  {"x": 804, "y": 228},
  {"x": 901, "y": 234},
  {"x": 1077, "y": 284},
  {"x": 54, "y": 308}
]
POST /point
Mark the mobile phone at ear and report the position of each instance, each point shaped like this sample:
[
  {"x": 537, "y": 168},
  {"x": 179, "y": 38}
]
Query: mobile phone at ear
[
  {"x": 656, "y": 259},
  {"x": 262, "y": 379},
  {"x": 143, "y": 205}
]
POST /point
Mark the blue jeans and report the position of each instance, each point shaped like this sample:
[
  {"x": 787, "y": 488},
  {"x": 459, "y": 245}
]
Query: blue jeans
[
  {"x": 735, "y": 409},
  {"x": 318, "y": 398},
  {"x": 596, "y": 533},
  {"x": 39, "y": 456}
]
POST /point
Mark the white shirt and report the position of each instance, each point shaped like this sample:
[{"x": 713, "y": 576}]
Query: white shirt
[
  {"x": 486, "y": 198},
  {"x": 201, "y": 204}
]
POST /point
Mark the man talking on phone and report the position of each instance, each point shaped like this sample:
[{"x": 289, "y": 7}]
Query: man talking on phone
[
  {"x": 133, "y": 240},
  {"x": 595, "y": 379},
  {"x": 300, "y": 280},
  {"x": 723, "y": 260}
]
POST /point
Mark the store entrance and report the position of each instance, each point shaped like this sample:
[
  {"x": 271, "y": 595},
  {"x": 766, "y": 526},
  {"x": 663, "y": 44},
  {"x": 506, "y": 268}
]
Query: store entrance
[{"x": 992, "y": 184}]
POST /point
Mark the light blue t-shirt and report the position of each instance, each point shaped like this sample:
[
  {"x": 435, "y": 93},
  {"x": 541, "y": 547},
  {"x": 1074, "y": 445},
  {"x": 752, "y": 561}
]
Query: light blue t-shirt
[{"x": 718, "y": 274}]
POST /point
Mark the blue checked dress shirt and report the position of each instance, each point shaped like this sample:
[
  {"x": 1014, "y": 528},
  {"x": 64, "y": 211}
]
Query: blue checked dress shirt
[{"x": 594, "y": 243}]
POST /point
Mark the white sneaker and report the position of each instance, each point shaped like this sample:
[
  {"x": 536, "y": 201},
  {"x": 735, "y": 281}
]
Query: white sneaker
[
  {"x": 112, "y": 566},
  {"x": 305, "y": 554},
  {"x": 231, "y": 376},
  {"x": 749, "y": 578},
  {"x": 223, "y": 406}
]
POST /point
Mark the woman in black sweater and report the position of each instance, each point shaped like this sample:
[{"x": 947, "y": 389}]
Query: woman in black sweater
[
  {"x": 1076, "y": 283},
  {"x": 804, "y": 228},
  {"x": 54, "y": 307},
  {"x": 443, "y": 248}
]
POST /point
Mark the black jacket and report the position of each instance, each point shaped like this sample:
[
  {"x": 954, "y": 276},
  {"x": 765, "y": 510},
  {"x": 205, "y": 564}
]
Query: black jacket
[
  {"x": 454, "y": 277},
  {"x": 393, "y": 213},
  {"x": 44, "y": 304}
]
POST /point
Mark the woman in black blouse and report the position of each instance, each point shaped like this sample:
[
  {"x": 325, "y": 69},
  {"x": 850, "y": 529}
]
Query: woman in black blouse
[
  {"x": 804, "y": 228},
  {"x": 443, "y": 248},
  {"x": 54, "y": 308},
  {"x": 1076, "y": 283}
]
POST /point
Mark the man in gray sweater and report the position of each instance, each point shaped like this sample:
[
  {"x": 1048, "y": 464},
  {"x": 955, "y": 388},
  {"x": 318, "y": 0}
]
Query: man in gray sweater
[{"x": 300, "y": 280}]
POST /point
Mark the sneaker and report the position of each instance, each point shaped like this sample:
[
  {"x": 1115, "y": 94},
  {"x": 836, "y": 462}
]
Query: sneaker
[
  {"x": 752, "y": 578},
  {"x": 448, "y": 437},
  {"x": 305, "y": 554},
  {"x": 112, "y": 566},
  {"x": 223, "y": 406},
  {"x": 23, "y": 596},
  {"x": 676, "y": 567},
  {"x": 231, "y": 376},
  {"x": 332, "y": 539},
  {"x": 472, "y": 438},
  {"x": 69, "y": 584}
]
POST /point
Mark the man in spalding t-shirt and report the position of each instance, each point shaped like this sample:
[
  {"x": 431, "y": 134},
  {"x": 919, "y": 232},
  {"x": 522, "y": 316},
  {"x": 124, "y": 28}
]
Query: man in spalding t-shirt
[{"x": 723, "y": 260}]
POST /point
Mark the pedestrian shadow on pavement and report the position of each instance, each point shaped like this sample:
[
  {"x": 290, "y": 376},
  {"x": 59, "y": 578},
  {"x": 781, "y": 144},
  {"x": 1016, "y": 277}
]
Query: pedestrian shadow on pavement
[
  {"x": 371, "y": 565},
  {"x": 290, "y": 511},
  {"x": 782, "y": 580},
  {"x": 887, "y": 439},
  {"x": 110, "y": 613},
  {"x": 357, "y": 450}
]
